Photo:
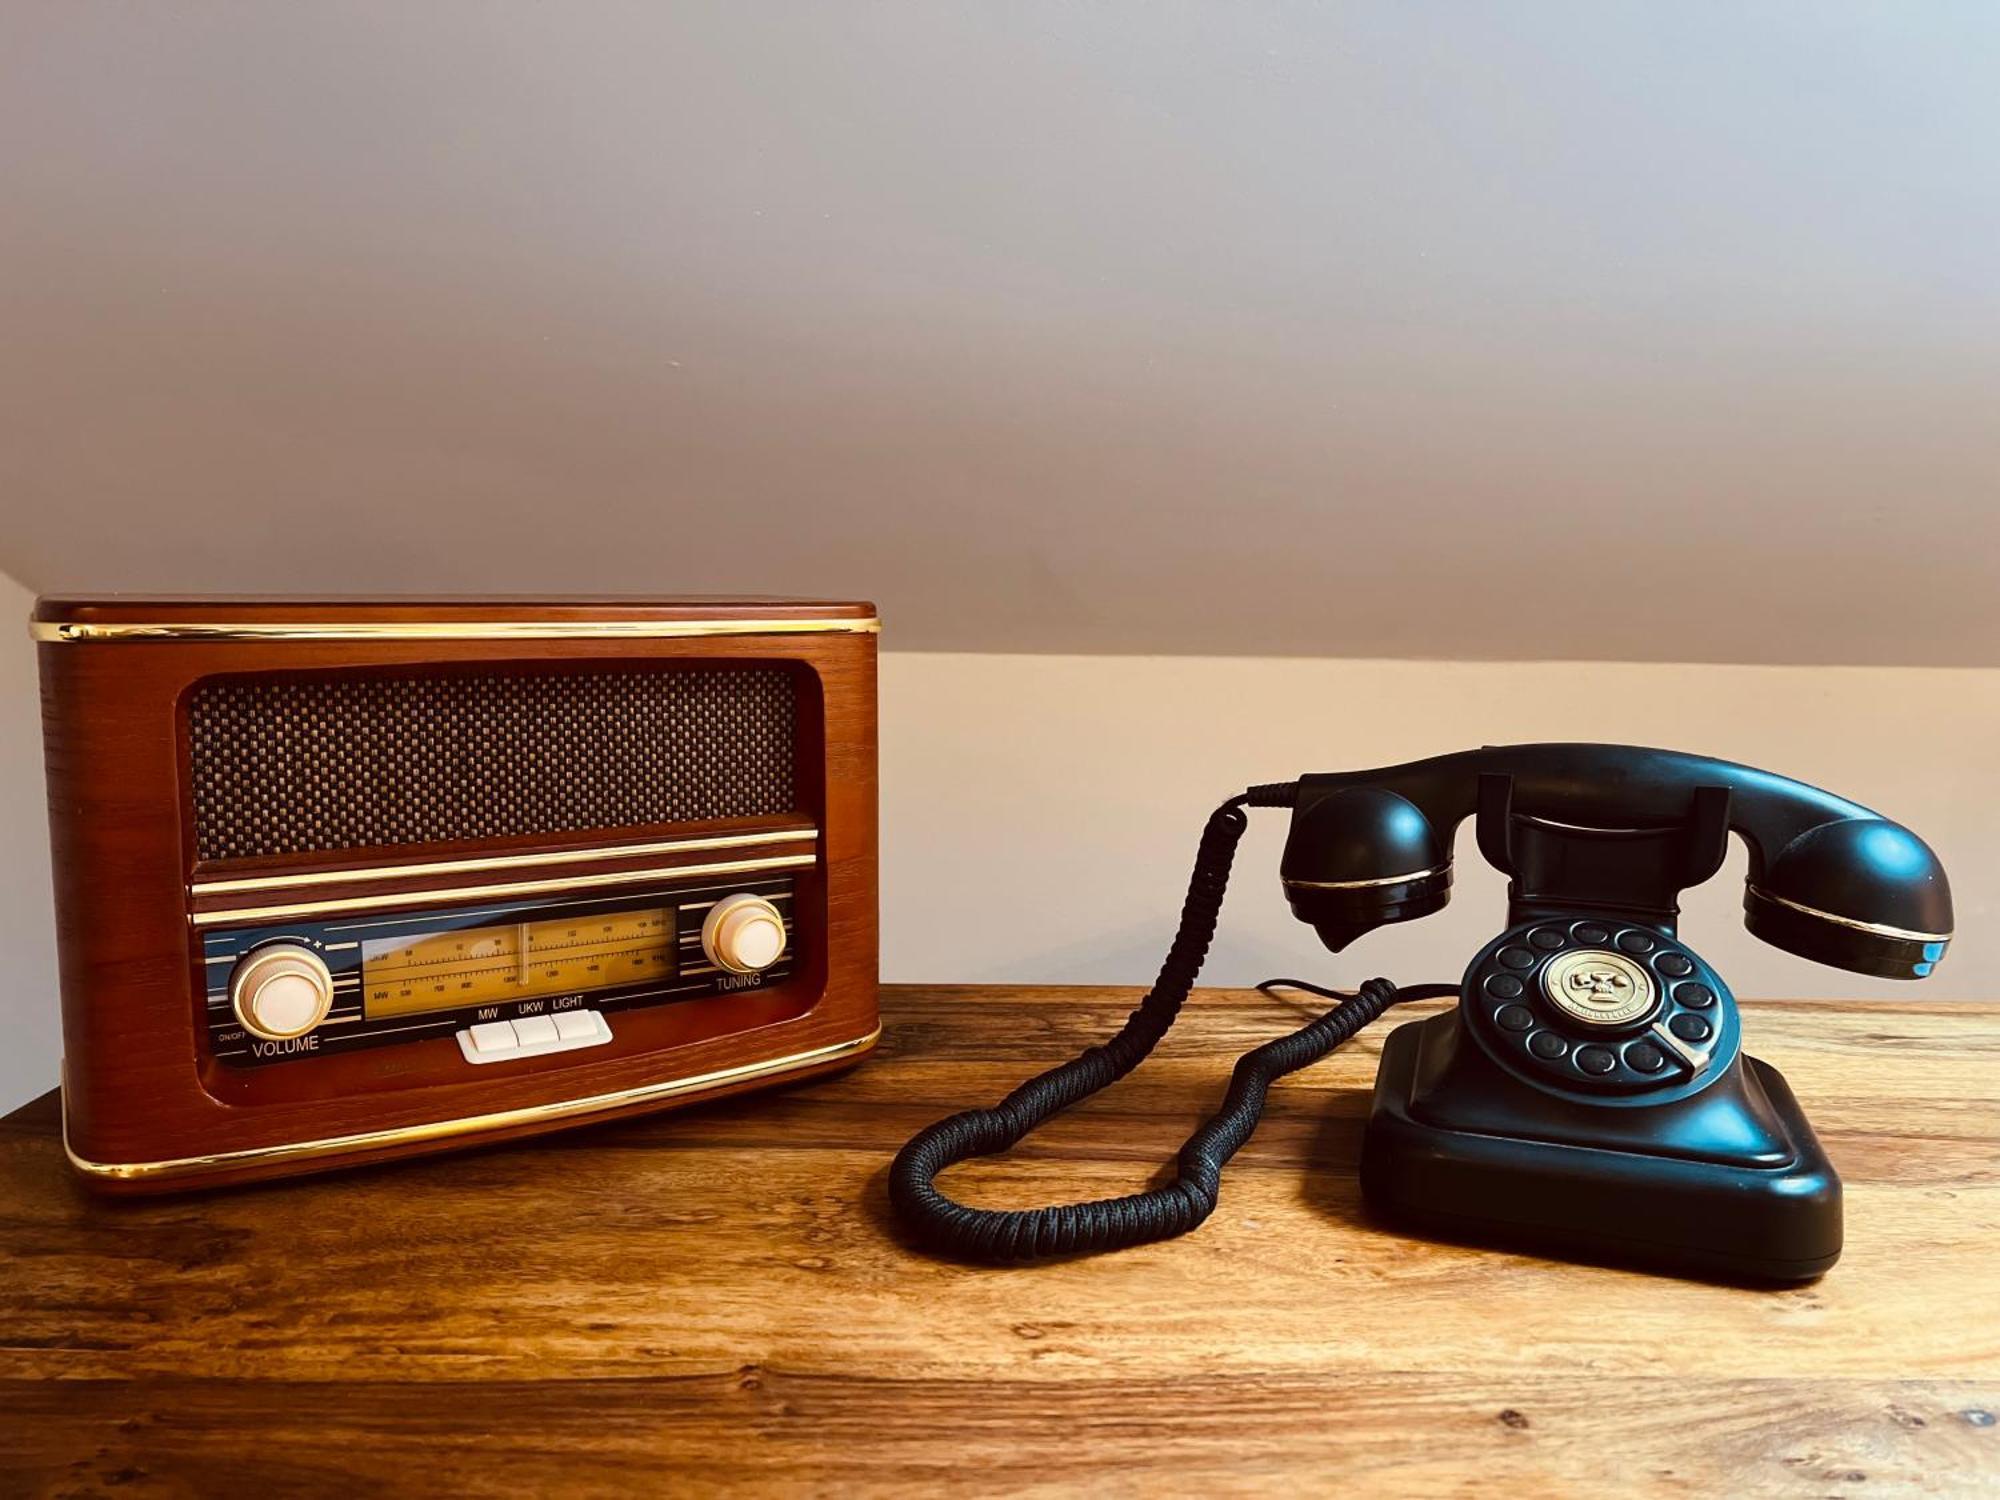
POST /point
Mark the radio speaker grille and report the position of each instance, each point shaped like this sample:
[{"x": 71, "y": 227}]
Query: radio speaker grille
[{"x": 298, "y": 765}]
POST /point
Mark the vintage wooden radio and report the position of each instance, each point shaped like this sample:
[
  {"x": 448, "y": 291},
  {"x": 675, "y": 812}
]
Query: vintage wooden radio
[{"x": 346, "y": 879}]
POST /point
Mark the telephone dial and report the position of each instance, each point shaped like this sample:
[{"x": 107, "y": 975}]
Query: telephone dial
[{"x": 1588, "y": 1096}]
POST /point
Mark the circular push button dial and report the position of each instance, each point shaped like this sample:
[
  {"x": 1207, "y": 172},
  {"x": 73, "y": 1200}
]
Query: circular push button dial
[
  {"x": 1599, "y": 988},
  {"x": 1548, "y": 939},
  {"x": 1547, "y": 1045},
  {"x": 743, "y": 934},
  {"x": 1515, "y": 1017},
  {"x": 1689, "y": 1028},
  {"x": 1505, "y": 986},
  {"x": 1644, "y": 1057},
  {"x": 1674, "y": 965},
  {"x": 280, "y": 991},
  {"x": 1516, "y": 958},
  {"x": 1590, "y": 932},
  {"x": 1696, "y": 996},
  {"x": 1595, "y": 1059},
  {"x": 1632, "y": 940}
]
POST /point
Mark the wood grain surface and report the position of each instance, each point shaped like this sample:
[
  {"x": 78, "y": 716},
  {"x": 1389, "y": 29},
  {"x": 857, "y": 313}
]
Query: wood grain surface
[{"x": 716, "y": 1301}]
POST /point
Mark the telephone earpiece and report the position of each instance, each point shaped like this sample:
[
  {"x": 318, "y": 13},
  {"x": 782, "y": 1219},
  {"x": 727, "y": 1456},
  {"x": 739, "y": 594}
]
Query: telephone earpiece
[{"x": 1359, "y": 857}]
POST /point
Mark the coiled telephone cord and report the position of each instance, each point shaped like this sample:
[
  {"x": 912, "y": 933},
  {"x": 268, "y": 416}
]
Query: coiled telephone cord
[{"x": 1008, "y": 1235}]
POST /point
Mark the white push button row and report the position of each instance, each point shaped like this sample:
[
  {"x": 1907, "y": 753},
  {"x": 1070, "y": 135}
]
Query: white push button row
[{"x": 533, "y": 1036}]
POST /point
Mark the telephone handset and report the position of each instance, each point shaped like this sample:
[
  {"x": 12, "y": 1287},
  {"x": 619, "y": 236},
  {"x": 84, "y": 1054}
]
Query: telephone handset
[{"x": 1588, "y": 1095}]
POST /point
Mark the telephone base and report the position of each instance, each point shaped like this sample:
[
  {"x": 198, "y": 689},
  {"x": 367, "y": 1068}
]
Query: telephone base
[{"x": 1738, "y": 1221}]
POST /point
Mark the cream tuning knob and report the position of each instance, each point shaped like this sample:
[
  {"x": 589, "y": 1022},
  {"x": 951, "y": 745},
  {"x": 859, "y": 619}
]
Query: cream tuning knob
[
  {"x": 743, "y": 934},
  {"x": 281, "y": 991}
]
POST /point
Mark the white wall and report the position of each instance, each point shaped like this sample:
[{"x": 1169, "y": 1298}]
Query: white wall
[
  {"x": 1576, "y": 328},
  {"x": 1039, "y": 813},
  {"x": 28, "y": 1015}
]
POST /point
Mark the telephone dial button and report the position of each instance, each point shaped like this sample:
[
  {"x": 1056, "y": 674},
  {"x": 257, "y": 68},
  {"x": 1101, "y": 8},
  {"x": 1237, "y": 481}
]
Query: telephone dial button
[
  {"x": 1689, "y": 1028},
  {"x": 1696, "y": 996},
  {"x": 1632, "y": 940},
  {"x": 1504, "y": 986},
  {"x": 1644, "y": 1057},
  {"x": 1590, "y": 933},
  {"x": 1547, "y": 1045},
  {"x": 1548, "y": 939},
  {"x": 1674, "y": 965},
  {"x": 1515, "y": 1017},
  {"x": 1595, "y": 1059},
  {"x": 1516, "y": 958}
]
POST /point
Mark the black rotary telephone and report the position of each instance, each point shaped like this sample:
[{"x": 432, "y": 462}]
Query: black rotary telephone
[{"x": 1588, "y": 1096}]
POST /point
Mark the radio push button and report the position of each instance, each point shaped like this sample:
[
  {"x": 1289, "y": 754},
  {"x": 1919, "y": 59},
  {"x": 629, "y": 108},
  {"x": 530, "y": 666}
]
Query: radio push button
[
  {"x": 489, "y": 1037},
  {"x": 577, "y": 1025},
  {"x": 532, "y": 1031},
  {"x": 743, "y": 934},
  {"x": 280, "y": 991}
]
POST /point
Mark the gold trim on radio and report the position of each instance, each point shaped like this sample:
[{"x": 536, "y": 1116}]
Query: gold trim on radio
[
  {"x": 440, "y": 630},
  {"x": 504, "y": 861},
  {"x": 561, "y": 1109},
  {"x": 505, "y": 888}
]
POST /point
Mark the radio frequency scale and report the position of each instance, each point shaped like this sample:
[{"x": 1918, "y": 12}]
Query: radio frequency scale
[{"x": 506, "y": 981}]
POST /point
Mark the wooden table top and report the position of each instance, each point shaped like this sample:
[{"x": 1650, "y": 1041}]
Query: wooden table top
[{"x": 717, "y": 1300}]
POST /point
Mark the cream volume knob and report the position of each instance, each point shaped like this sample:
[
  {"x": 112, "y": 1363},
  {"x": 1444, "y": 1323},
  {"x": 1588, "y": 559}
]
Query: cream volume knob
[
  {"x": 281, "y": 991},
  {"x": 743, "y": 933}
]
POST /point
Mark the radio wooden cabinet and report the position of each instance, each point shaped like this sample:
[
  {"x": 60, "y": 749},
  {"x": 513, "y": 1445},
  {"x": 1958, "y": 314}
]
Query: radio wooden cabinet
[{"x": 344, "y": 879}]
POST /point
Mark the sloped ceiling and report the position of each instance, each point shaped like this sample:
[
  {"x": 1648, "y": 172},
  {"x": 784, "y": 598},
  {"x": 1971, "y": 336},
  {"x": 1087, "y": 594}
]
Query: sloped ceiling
[{"x": 1412, "y": 330}]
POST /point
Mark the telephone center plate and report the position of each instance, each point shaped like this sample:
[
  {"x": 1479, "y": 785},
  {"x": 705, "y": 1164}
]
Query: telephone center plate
[{"x": 1599, "y": 988}]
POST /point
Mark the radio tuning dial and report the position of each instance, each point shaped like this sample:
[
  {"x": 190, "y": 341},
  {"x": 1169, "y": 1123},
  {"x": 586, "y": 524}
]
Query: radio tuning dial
[
  {"x": 280, "y": 991},
  {"x": 743, "y": 934}
]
